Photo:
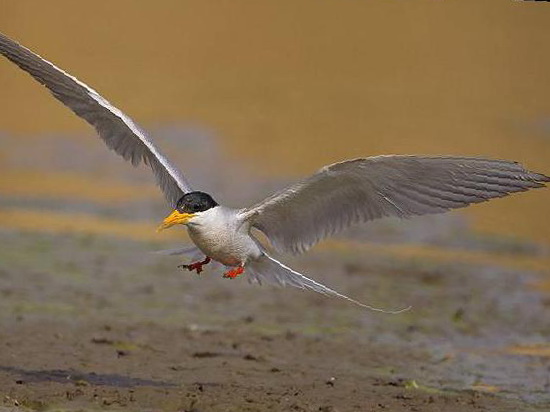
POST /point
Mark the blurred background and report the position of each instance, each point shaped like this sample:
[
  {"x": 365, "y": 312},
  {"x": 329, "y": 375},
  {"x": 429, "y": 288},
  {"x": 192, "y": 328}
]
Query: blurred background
[
  {"x": 247, "y": 96},
  {"x": 283, "y": 88}
]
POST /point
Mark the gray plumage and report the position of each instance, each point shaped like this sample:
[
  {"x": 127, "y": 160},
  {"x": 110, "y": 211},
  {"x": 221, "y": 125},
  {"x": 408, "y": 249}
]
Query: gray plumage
[
  {"x": 360, "y": 190},
  {"x": 116, "y": 129},
  {"x": 334, "y": 198}
]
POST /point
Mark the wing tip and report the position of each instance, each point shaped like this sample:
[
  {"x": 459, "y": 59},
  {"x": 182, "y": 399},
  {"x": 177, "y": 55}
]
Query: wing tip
[{"x": 543, "y": 178}]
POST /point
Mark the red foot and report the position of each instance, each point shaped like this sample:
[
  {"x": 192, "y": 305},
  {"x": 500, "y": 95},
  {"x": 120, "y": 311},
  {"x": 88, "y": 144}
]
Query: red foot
[
  {"x": 196, "y": 266},
  {"x": 233, "y": 273}
]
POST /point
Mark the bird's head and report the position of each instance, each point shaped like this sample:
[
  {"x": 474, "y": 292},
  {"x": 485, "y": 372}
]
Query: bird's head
[{"x": 190, "y": 205}]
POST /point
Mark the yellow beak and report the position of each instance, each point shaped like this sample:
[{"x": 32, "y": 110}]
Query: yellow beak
[{"x": 175, "y": 218}]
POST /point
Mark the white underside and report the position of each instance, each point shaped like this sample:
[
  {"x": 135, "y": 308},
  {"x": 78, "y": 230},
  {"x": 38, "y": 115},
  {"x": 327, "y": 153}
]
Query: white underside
[{"x": 221, "y": 235}]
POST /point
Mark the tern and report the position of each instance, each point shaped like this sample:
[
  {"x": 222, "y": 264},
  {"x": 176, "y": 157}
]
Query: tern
[{"x": 334, "y": 198}]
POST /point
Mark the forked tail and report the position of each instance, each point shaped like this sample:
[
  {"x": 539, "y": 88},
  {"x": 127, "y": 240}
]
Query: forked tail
[{"x": 268, "y": 269}]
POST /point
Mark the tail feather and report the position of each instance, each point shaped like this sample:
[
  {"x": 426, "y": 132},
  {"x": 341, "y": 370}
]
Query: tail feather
[{"x": 269, "y": 269}]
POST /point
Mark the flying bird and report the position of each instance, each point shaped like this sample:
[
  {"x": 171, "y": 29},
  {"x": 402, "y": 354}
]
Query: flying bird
[{"x": 334, "y": 198}]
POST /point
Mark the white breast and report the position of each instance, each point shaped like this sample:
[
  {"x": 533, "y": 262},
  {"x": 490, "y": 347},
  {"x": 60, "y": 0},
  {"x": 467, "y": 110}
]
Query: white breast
[{"x": 221, "y": 235}]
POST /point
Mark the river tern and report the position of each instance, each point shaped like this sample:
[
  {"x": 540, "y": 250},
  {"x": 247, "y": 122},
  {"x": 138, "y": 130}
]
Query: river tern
[{"x": 334, "y": 198}]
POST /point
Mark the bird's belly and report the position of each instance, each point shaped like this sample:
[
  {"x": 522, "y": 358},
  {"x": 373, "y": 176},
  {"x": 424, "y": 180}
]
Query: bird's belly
[{"x": 230, "y": 249}]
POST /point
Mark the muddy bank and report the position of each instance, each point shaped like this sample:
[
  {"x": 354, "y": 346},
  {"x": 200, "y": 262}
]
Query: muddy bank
[
  {"x": 98, "y": 323},
  {"x": 145, "y": 367}
]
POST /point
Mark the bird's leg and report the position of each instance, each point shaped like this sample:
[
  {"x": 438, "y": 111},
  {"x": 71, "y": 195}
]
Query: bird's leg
[
  {"x": 196, "y": 265},
  {"x": 233, "y": 273}
]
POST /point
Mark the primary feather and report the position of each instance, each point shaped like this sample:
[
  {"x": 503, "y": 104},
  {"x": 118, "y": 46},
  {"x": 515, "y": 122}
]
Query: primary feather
[
  {"x": 116, "y": 129},
  {"x": 360, "y": 190}
]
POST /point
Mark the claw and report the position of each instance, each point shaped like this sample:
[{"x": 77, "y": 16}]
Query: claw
[
  {"x": 233, "y": 273},
  {"x": 197, "y": 266}
]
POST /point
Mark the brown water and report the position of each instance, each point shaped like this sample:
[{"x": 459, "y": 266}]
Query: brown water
[{"x": 289, "y": 86}]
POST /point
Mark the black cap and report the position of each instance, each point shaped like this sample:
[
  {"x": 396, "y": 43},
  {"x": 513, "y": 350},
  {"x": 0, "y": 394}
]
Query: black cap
[{"x": 194, "y": 202}]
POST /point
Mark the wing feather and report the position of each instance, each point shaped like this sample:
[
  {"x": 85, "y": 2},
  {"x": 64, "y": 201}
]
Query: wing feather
[
  {"x": 360, "y": 190},
  {"x": 116, "y": 129}
]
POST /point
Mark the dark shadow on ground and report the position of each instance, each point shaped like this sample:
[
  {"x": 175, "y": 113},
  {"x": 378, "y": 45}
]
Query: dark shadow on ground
[{"x": 71, "y": 376}]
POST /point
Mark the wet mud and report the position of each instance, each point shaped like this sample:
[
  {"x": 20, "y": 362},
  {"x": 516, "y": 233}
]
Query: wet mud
[{"x": 98, "y": 323}]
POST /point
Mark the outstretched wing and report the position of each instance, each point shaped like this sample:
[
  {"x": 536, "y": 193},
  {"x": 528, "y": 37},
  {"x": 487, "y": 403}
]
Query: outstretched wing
[
  {"x": 116, "y": 129},
  {"x": 359, "y": 190}
]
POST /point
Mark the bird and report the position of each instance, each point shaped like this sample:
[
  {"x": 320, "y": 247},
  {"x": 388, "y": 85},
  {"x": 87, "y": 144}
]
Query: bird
[{"x": 296, "y": 218}]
